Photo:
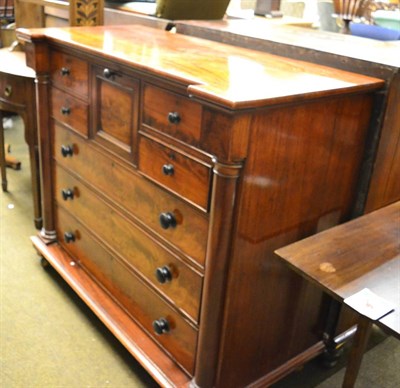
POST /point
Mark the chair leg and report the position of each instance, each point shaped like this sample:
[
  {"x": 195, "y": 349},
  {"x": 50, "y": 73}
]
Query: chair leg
[{"x": 2, "y": 155}]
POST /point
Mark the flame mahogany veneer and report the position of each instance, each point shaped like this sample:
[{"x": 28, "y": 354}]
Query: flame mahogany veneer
[{"x": 172, "y": 168}]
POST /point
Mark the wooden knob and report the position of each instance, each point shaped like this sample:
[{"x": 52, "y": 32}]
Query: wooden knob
[
  {"x": 67, "y": 194},
  {"x": 107, "y": 73},
  {"x": 65, "y": 111},
  {"x": 64, "y": 71},
  {"x": 167, "y": 220},
  {"x": 69, "y": 237},
  {"x": 161, "y": 326},
  {"x": 163, "y": 274},
  {"x": 67, "y": 150},
  {"x": 174, "y": 117},
  {"x": 168, "y": 169}
]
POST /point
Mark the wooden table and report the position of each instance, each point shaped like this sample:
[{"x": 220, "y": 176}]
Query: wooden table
[
  {"x": 17, "y": 94},
  {"x": 363, "y": 253}
]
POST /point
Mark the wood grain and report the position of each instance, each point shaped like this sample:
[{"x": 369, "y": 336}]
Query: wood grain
[
  {"x": 362, "y": 253},
  {"x": 229, "y": 76}
]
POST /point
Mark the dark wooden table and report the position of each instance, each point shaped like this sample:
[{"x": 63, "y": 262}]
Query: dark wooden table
[
  {"x": 17, "y": 95},
  {"x": 363, "y": 253}
]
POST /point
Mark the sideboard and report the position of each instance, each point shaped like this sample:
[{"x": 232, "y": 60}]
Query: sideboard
[{"x": 172, "y": 168}]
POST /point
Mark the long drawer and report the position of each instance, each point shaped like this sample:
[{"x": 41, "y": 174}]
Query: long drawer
[
  {"x": 141, "y": 198},
  {"x": 140, "y": 251},
  {"x": 177, "y": 336}
]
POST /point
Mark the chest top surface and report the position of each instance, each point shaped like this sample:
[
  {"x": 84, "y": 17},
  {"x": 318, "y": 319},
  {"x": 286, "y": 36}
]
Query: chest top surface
[{"x": 233, "y": 77}]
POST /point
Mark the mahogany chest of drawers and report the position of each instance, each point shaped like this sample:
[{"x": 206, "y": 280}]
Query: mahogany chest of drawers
[{"x": 172, "y": 168}]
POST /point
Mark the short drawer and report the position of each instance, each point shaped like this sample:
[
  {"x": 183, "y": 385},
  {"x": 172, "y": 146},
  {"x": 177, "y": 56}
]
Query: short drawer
[
  {"x": 183, "y": 284},
  {"x": 135, "y": 194},
  {"x": 143, "y": 304},
  {"x": 172, "y": 114},
  {"x": 69, "y": 73},
  {"x": 13, "y": 89},
  {"x": 70, "y": 111},
  {"x": 181, "y": 174}
]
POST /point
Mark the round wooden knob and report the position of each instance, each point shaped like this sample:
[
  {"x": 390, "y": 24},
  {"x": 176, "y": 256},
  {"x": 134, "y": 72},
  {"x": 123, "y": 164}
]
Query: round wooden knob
[
  {"x": 174, "y": 117},
  {"x": 161, "y": 326},
  {"x": 67, "y": 150},
  {"x": 107, "y": 73},
  {"x": 67, "y": 194},
  {"x": 64, "y": 71},
  {"x": 69, "y": 237},
  {"x": 167, "y": 220},
  {"x": 168, "y": 169},
  {"x": 65, "y": 111},
  {"x": 163, "y": 274}
]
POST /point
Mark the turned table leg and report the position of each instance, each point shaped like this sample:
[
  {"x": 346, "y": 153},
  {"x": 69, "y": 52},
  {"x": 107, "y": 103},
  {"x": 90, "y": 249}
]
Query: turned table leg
[{"x": 2, "y": 155}]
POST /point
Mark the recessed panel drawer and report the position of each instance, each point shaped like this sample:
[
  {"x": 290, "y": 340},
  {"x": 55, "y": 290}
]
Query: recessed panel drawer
[
  {"x": 70, "y": 111},
  {"x": 143, "y": 304},
  {"x": 172, "y": 114},
  {"x": 179, "y": 173},
  {"x": 69, "y": 73},
  {"x": 144, "y": 200},
  {"x": 183, "y": 284}
]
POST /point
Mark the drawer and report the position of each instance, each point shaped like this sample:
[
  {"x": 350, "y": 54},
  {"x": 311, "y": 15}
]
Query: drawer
[
  {"x": 172, "y": 114},
  {"x": 143, "y": 304},
  {"x": 13, "y": 89},
  {"x": 70, "y": 111},
  {"x": 69, "y": 73},
  {"x": 115, "y": 110},
  {"x": 179, "y": 173},
  {"x": 138, "y": 249},
  {"x": 136, "y": 194}
]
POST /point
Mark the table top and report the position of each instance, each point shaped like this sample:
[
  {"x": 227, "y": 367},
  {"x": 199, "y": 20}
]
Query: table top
[
  {"x": 362, "y": 253},
  {"x": 14, "y": 63},
  {"x": 261, "y": 29},
  {"x": 234, "y": 77}
]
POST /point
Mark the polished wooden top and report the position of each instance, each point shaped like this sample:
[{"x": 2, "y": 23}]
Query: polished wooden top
[
  {"x": 14, "y": 63},
  {"x": 363, "y": 253},
  {"x": 369, "y": 50},
  {"x": 230, "y": 76}
]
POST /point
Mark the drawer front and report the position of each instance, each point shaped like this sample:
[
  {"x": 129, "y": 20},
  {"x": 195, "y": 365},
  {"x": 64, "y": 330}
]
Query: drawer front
[
  {"x": 69, "y": 73},
  {"x": 115, "y": 111},
  {"x": 172, "y": 114},
  {"x": 138, "y": 249},
  {"x": 70, "y": 111},
  {"x": 144, "y": 305},
  {"x": 136, "y": 194},
  {"x": 182, "y": 175},
  {"x": 13, "y": 89}
]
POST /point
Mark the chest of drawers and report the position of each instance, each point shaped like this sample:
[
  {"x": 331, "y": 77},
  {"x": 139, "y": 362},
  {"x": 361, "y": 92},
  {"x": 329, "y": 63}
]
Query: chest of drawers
[{"x": 172, "y": 169}]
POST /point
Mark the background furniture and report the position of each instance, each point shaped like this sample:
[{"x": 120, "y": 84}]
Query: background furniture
[
  {"x": 171, "y": 179},
  {"x": 17, "y": 94},
  {"x": 17, "y": 89},
  {"x": 363, "y": 253}
]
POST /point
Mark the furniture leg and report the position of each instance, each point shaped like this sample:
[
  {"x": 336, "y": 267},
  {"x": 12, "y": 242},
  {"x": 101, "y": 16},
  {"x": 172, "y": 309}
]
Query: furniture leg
[
  {"x": 37, "y": 206},
  {"x": 2, "y": 155},
  {"x": 357, "y": 351}
]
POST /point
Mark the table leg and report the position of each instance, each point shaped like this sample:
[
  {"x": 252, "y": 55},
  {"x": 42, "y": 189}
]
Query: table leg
[
  {"x": 2, "y": 155},
  {"x": 357, "y": 350}
]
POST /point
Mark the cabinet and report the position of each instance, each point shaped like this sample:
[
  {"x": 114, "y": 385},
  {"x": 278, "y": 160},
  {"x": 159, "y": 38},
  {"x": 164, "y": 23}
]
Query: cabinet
[{"x": 172, "y": 168}]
